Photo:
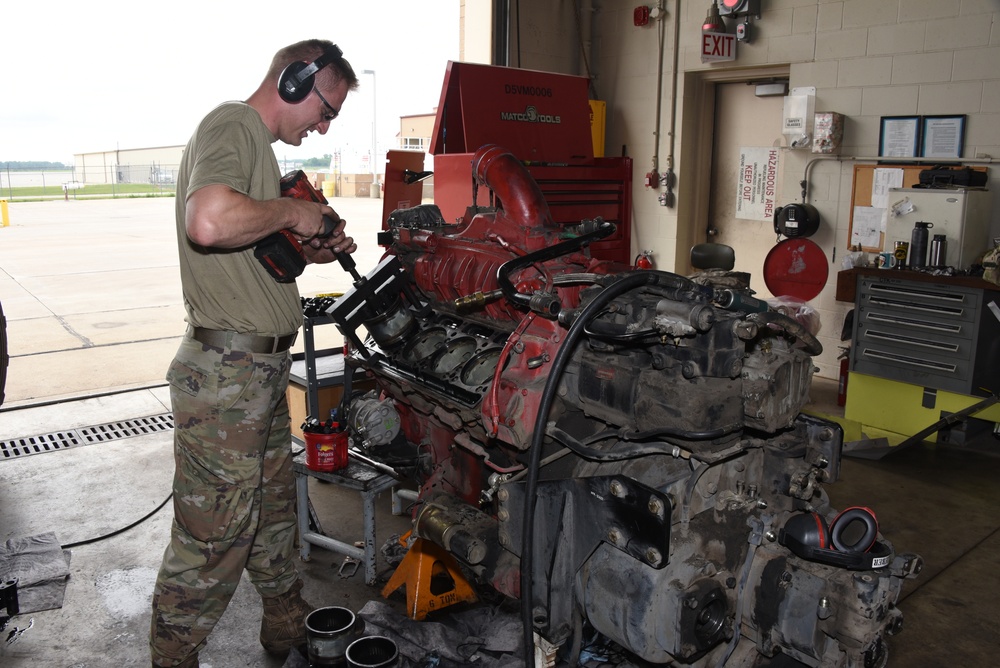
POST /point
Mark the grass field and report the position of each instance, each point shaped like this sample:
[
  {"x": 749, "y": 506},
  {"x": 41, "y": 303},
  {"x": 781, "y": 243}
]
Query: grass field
[{"x": 34, "y": 193}]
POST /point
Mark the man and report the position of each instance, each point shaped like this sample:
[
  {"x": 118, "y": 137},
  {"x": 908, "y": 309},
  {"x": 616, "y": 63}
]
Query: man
[{"x": 234, "y": 494}]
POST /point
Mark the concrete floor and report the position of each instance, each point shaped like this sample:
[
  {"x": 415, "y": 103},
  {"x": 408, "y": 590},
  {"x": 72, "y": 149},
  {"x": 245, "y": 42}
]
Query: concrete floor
[{"x": 92, "y": 301}]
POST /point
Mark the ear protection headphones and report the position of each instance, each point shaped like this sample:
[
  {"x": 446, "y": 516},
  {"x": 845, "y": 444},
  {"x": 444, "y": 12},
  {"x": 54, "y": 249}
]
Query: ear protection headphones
[
  {"x": 808, "y": 536},
  {"x": 849, "y": 519},
  {"x": 297, "y": 80},
  {"x": 810, "y": 529}
]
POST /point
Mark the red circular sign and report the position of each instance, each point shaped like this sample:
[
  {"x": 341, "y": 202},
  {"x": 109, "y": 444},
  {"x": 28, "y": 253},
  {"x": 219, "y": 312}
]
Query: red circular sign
[{"x": 796, "y": 268}]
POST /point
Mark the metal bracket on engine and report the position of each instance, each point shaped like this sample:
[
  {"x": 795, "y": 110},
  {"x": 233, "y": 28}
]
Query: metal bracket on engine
[
  {"x": 572, "y": 518},
  {"x": 617, "y": 510}
]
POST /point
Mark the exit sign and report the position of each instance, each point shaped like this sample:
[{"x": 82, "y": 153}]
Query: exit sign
[{"x": 717, "y": 46}]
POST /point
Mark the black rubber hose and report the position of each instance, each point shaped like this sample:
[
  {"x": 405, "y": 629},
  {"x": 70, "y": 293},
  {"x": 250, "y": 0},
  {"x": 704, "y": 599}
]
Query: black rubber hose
[
  {"x": 139, "y": 521},
  {"x": 686, "y": 434},
  {"x": 595, "y": 455},
  {"x": 559, "y": 363},
  {"x": 503, "y": 273},
  {"x": 790, "y": 325}
]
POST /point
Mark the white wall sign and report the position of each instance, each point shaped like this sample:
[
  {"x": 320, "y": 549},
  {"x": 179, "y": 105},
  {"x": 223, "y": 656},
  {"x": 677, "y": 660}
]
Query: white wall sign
[{"x": 756, "y": 187}]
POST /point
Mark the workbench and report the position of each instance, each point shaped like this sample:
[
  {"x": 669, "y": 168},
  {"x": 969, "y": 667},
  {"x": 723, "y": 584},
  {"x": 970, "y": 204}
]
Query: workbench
[{"x": 359, "y": 477}]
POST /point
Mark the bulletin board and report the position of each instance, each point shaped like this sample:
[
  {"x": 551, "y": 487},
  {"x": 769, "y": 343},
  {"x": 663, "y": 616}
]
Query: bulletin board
[{"x": 863, "y": 188}]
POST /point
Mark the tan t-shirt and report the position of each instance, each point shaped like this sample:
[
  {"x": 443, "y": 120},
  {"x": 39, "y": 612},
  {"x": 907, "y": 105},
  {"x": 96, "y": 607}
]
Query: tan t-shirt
[{"x": 230, "y": 289}]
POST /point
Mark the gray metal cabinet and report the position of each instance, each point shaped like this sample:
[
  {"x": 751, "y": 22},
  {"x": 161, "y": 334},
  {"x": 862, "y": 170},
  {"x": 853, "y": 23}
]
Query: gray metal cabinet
[{"x": 932, "y": 334}]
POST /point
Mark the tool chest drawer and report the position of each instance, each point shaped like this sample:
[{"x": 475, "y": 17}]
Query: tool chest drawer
[{"x": 929, "y": 334}]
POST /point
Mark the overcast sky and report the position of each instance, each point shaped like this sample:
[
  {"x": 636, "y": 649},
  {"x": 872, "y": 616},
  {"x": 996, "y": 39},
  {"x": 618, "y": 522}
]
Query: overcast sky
[{"x": 89, "y": 76}]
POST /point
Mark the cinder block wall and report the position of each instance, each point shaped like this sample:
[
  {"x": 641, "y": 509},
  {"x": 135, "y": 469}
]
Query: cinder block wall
[{"x": 866, "y": 58}]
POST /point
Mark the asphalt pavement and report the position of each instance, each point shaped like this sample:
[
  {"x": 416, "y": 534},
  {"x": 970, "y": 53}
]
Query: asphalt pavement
[{"x": 91, "y": 293}]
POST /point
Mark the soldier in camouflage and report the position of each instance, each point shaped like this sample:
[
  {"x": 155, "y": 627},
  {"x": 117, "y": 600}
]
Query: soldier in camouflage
[{"x": 234, "y": 495}]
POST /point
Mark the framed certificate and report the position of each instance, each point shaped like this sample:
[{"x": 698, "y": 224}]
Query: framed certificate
[
  {"x": 899, "y": 137},
  {"x": 943, "y": 136}
]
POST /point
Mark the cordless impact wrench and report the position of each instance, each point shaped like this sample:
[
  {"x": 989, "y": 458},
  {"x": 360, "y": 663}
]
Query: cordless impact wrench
[{"x": 281, "y": 253}]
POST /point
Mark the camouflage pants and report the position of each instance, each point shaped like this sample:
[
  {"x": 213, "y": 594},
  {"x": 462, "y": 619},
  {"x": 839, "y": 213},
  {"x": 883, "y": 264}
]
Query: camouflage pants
[{"x": 234, "y": 492}]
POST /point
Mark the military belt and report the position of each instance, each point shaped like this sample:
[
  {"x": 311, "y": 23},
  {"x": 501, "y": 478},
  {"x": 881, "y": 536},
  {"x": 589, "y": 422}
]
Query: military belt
[{"x": 251, "y": 343}]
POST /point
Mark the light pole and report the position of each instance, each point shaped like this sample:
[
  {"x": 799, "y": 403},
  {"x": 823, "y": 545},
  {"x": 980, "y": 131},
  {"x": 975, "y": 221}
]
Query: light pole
[{"x": 374, "y": 110}]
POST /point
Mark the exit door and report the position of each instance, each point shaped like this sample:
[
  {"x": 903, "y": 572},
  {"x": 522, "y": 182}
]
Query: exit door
[{"x": 742, "y": 121}]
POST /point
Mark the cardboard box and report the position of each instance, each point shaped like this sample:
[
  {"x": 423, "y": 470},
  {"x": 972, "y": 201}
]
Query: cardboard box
[{"x": 329, "y": 397}]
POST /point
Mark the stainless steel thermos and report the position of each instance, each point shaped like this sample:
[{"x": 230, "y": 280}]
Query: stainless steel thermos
[
  {"x": 918, "y": 245},
  {"x": 938, "y": 250}
]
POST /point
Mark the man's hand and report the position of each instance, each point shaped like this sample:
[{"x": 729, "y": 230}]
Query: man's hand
[{"x": 321, "y": 249}]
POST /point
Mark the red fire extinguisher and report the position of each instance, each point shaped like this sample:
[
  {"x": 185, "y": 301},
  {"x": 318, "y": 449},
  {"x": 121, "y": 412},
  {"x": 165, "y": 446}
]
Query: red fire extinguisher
[
  {"x": 845, "y": 365},
  {"x": 644, "y": 260}
]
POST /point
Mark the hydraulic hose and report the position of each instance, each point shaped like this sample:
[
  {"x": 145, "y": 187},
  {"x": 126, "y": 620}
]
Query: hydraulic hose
[
  {"x": 552, "y": 307},
  {"x": 559, "y": 363},
  {"x": 790, "y": 325},
  {"x": 595, "y": 455}
]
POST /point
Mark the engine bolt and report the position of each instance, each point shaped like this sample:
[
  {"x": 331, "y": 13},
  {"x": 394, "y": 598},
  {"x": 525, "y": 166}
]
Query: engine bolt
[
  {"x": 503, "y": 515},
  {"x": 503, "y": 538},
  {"x": 770, "y": 536},
  {"x": 655, "y": 506},
  {"x": 653, "y": 556},
  {"x": 824, "y": 611},
  {"x": 617, "y": 489},
  {"x": 762, "y": 504},
  {"x": 503, "y": 494},
  {"x": 614, "y": 536}
]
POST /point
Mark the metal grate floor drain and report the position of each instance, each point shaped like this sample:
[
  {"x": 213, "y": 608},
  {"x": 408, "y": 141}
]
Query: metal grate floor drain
[{"x": 63, "y": 440}]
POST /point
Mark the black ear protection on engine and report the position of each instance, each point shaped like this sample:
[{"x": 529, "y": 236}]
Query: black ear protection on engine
[
  {"x": 848, "y": 519},
  {"x": 297, "y": 80},
  {"x": 810, "y": 530},
  {"x": 808, "y": 536}
]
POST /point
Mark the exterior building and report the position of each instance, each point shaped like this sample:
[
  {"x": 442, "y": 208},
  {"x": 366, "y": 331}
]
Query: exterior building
[
  {"x": 137, "y": 165},
  {"x": 415, "y": 131}
]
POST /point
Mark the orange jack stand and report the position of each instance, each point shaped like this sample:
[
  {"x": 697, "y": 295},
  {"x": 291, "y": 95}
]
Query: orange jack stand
[{"x": 432, "y": 578}]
